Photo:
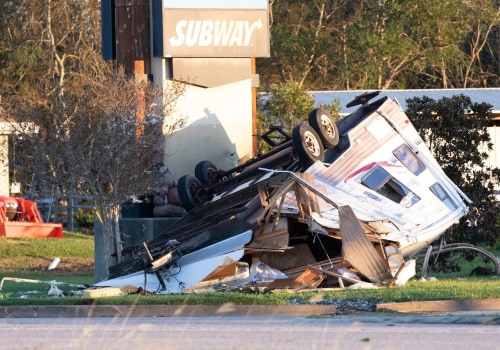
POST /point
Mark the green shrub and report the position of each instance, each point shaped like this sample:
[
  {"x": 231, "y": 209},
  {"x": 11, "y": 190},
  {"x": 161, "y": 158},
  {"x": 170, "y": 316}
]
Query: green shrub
[{"x": 84, "y": 218}]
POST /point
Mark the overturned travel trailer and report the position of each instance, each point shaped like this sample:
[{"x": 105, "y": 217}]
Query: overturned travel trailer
[{"x": 345, "y": 200}]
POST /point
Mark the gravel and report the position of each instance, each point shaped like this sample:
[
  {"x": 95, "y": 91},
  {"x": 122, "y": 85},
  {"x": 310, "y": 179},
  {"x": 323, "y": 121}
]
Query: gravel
[{"x": 343, "y": 305}]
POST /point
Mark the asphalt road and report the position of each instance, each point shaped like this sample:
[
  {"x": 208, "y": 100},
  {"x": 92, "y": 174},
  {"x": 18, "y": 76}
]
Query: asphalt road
[
  {"x": 462, "y": 324},
  {"x": 256, "y": 332}
]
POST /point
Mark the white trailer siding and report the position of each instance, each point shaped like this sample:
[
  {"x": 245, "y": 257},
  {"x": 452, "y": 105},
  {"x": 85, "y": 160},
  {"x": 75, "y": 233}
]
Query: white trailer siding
[{"x": 417, "y": 215}]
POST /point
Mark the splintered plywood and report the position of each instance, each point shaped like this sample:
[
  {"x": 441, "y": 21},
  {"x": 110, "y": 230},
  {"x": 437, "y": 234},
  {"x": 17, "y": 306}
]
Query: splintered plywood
[
  {"x": 223, "y": 272},
  {"x": 236, "y": 273},
  {"x": 308, "y": 279},
  {"x": 300, "y": 255},
  {"x": 359, "y": 251},
  {"x": 106, "y": 292},
  {"x": 274, "y": 235}
]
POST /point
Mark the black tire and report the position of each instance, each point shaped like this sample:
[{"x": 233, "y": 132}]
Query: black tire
[
  {"x": 322, "y": 122},
  {"x": 307, "y": 144},
  {"x": 204, "y": 170},
  {"x": 185, "y": 187}
]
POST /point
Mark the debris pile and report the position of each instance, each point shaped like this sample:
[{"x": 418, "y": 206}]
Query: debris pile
[
  {"x": 336, "y": 204},
  {"x": 342, "y": 203},
  {"x": 166, "y": 202}
]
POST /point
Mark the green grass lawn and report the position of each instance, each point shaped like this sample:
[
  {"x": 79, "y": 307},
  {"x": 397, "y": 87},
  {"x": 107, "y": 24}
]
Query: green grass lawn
[
  {"x": 29, "y": 259},
  {"x": 36, "y": 254},
  {"x": 72, "y": 245}
]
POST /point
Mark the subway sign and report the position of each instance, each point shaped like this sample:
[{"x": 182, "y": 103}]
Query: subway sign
[{"x": 215, "y": 28}]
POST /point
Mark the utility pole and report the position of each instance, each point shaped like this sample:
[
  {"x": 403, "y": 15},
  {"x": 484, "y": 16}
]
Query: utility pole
[
  {"x": 133, "y": 46},
  {"x": 133, "y": 38}
]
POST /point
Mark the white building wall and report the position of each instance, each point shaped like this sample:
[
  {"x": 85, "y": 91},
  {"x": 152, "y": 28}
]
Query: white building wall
[
  {"x": 217, "y": 126},
  {"x": 217, "y": 120},
  {"x": 494, "y": 155}
]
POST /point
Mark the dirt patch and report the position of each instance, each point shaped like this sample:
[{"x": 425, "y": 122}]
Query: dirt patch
[{"x": 32, "y": 264}]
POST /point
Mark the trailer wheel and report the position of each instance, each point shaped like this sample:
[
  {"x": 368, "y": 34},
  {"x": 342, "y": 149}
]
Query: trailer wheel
[
  {"x": 185, "y": 187},
  {"x": 204, "y": 171},
  {"x": 307, "y": 144},
  {"x": 322, "y": 122}
]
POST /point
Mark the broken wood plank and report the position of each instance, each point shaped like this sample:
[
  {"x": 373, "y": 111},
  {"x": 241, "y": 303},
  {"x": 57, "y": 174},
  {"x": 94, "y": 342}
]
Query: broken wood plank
[
  {"x": 334, "y": 274},
  {"x": 93, "y": 293},
  {"x": 274, "y": 235},
  {"x": 223, "y": 272},
  {"x": 329, "y": 264},
  {"x": 308, "y": 279},
  {"x": 160, "y": 262}
]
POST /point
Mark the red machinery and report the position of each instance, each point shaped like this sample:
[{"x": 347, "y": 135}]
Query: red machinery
[{"x": 20, "y": 218}]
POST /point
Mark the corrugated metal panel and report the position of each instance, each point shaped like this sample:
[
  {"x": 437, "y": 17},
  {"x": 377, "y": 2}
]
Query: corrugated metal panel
[
  {"x": 494, "y": 154},
  {"x": 359, "y": 251},
  {"x": 490, "y": 95}
]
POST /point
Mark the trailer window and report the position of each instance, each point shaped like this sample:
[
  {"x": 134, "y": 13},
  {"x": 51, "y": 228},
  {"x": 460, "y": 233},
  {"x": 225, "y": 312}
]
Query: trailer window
[
  {"x": 406, "y": 156},
  {"x": 380, "y": 181},
  {"x": 439, "y": 191}
]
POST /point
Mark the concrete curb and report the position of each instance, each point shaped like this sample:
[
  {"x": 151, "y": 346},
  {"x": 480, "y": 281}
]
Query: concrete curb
[
  {"x": 85, "y": 311},
  {"x": 116, "y": 311},
  {"x": 440, "y": 306}
]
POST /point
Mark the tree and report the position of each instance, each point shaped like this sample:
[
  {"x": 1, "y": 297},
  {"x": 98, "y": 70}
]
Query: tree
[
  {"x": 51, "y": 50},
  {"x": 48, "y": 44},
  {"x": 78, "y": 130},
  {"x": 455, "y": 129},
  {"x": 287, "y": 105},
  {"x": 305, "y": 42},
  {"x": 384, "y": 44},
  {"x": 95, "y": 149},
  {"x": 483, "y": 17}
]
